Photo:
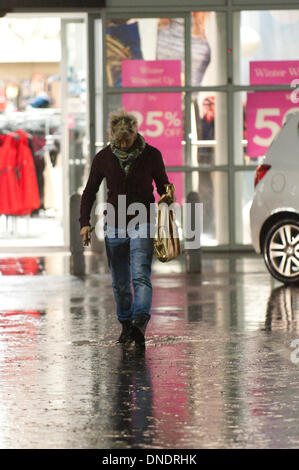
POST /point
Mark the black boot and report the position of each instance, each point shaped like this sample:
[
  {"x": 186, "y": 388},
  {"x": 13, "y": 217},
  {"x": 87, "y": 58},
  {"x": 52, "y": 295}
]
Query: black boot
[
  {"x": 126, "y": 334},
  {"x": 139, "y": 327}
]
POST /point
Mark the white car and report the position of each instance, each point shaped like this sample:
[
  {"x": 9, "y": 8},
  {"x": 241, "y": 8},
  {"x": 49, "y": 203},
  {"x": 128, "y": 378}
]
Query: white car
[{"x": 274, "y": 213}]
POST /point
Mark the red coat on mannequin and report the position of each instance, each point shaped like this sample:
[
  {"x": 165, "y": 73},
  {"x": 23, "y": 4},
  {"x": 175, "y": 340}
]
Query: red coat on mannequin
[
  {"x": 28, "y": 186},
  {"x": 10, "y": 201}
]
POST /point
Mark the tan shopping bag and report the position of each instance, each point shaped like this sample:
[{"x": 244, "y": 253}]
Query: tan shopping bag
[{"x": 166, "y": 240}]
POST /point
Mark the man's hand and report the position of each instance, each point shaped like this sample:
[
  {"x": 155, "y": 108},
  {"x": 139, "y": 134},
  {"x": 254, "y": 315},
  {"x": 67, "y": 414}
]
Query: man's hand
[
  {"x": 85, "y": 233},
  {"x": 168, "y": 196}
]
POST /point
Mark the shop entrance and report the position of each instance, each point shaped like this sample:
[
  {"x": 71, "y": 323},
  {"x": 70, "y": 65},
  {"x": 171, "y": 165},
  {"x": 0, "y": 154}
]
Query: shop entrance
[{"x": 44, "y": 126}]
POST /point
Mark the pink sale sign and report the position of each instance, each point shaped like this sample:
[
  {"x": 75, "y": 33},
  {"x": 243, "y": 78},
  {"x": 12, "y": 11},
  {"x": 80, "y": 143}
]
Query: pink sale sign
[
  {"x": 266, "y": 111},
  {"x": 159, "y": 115},
  {"x": 273, "y": 72},
  {"x": 142, "y": 73}
]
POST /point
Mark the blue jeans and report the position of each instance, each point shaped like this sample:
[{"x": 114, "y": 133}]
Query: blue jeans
[{"x": 129, "y": 260}]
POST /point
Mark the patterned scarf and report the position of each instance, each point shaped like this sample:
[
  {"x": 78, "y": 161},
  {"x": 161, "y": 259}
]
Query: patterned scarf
[{"x": 125, "y": 158}]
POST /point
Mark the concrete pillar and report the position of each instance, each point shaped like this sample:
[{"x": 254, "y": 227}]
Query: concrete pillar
[
  {"x": 77, "y": 262},
  {"x": 192, "y": 257}
]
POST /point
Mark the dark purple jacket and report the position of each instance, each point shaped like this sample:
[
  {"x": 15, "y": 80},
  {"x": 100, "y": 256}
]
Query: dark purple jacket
[{"x": 137, "y": 185}]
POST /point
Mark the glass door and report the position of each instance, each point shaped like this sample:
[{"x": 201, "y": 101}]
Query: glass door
[
  {"x": 44, "y": 126},
  {"x": 75, "y": 115},
  {"x": 97, "y": 125},
  {"x": 31, "y": 170}
]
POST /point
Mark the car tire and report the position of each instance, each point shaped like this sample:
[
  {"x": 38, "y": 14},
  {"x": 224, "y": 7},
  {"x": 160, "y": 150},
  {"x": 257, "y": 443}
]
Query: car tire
[{"x": 281, "y": 251}]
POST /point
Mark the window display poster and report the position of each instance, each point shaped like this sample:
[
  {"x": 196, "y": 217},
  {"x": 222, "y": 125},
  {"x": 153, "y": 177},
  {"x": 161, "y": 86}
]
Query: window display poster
[
  {"x": 159, "y": 115},
  {"x": 273, "y": 72},
  {"x": 266, "y": 112},
  {"x": 151, "y": 73}
]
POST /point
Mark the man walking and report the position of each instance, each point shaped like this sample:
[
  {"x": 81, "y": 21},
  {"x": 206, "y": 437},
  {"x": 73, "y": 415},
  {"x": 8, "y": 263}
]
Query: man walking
[{"x": 129, "y": 165}]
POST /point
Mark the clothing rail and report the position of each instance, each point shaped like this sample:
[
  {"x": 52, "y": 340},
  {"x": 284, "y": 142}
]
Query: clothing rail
[{"x": 46, "y": 117}]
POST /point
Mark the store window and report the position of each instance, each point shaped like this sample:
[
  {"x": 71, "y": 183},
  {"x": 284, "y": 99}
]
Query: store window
[
  {"x": 265, "y": 53},
  {"x": 244, "y": 186},
  {"x": 208, "y": 48},
  {"x": 266, "y": 47},
  {"x": 208, "y": 129},
  {"x": 149, "y": 41},
  {"x": 150, "y": 52},
  {"x": 259, "y": 117},
  {"x": 212, "y": 190},
  {"x": 160, "y": 119}
]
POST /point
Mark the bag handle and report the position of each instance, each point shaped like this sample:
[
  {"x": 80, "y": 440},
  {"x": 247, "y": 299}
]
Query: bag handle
[{"x": 168, "y": 196}]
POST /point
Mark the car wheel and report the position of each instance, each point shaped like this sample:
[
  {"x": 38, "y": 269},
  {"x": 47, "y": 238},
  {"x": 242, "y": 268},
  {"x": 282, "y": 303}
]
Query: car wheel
[{"x": 281, "y": 251}]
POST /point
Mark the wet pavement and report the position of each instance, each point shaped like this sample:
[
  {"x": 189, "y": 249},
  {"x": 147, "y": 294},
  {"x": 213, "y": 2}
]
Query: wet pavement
[{"x": 220, "y": 368}]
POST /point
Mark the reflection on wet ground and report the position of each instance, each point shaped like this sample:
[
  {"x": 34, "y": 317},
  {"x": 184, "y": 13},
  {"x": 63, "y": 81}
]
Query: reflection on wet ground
[{"x": 220, "y": 368}]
